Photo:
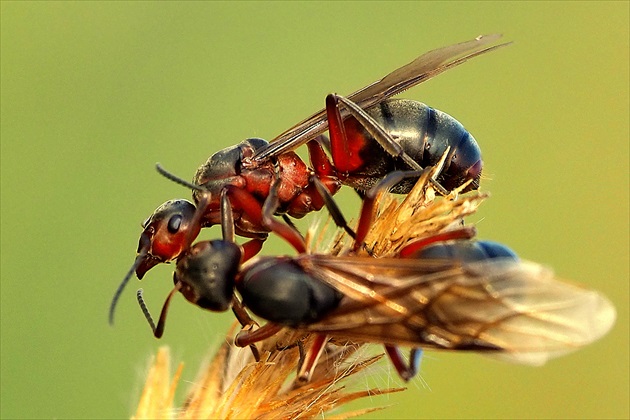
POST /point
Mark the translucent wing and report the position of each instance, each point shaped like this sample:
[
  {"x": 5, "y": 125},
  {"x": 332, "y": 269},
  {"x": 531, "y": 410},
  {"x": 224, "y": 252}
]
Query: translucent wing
[
  {"x": 517, "y": 311},
  {"x": 422, "y": 68}
]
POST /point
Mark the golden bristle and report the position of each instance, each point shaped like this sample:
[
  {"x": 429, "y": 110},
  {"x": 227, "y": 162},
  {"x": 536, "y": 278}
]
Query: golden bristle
[
  {"x": 233, "y": 385},
  {"x": 396, "y": 222},
  {"x": 419, "y": 215},
  {"x": 158, "y": 394}
]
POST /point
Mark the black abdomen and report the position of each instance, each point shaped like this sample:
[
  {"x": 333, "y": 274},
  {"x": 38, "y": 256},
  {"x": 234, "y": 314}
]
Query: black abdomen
[
  {"x": 424, "y": 134},
  {"x": 467, "y": 251},
  {"x": 280, "y": 290}
]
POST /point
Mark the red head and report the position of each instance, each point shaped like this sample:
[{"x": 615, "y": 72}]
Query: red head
[{"x": 167, "y": 233}]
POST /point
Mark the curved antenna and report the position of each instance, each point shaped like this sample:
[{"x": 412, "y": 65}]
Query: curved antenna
[
  {"x": 123, "y": 283},
  {"x": 145, "y": 310},
  {"x": 158, "y": 330},
  {"x": 201, "y": 205},
  {"x": 177, "y": 180}
]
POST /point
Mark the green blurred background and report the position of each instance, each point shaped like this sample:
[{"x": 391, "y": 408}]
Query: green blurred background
[{"x": 93, "y": 94}]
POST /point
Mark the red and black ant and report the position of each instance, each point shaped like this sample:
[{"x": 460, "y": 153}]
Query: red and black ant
[
  {"x": 370, "y": 137},
  {"x": 444, "y": 291}
]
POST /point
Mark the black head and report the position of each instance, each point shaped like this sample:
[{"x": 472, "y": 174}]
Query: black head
[{"x": 207, "y": 272}]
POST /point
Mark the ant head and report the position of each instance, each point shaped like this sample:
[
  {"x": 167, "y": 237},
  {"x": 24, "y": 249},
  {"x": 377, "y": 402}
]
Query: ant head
[
  {"x": 207, "y": 273},
  {"x": 167, "y": 233}
]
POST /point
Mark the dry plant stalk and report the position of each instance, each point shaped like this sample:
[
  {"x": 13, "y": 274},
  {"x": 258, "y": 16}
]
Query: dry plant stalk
[
  {"x": 233, "y": 385},
  {"x": 398, "y": 222}
]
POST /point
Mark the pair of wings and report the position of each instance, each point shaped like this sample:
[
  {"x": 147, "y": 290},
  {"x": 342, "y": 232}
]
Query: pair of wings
[
  {"x": 514, "y": 310},
  {"x": 419, "y": 70}
]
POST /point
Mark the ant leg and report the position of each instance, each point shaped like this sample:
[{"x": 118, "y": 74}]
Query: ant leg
[
  {"x": 248, "y": 337},
  {"x": 289, "y": 233},
  {"x": 263, "y": 215},
  {"x": 338, "y": 137},
  {"x": 241, "y": 314},
  {"x": 405, "y": 371},
  {"x": 320, "y": 163},
  {"x": 415, "y": 356},
  {"x": 302, "y": 353},
  {"x": 372, "y": 197},
  {"x": 344, "y": 159},
  {"x": 464, "y": 232},
  {"x": 227, "y": 217},
  {"x": 310, "y": 359},
  {"x": 332, "y": 207},
  {"x": 288, "y": 221},
  {"x": 368, "y": 209},
  {"x": 324, "y": 183},
  {"x": 246, "y": 322},
  {"x": 251, "y": 248}
]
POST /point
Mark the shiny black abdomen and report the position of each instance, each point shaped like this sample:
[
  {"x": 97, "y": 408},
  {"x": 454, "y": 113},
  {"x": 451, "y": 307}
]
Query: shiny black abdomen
[
  {"x": 424, "y": 134},
  {"x": 467, "y": 251},
  {"x": 282, "y": 291}
]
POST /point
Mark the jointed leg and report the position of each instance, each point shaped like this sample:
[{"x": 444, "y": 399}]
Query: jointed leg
[
  {"x": 406, "y": 371},
  {"x": 263, "y": 215},
  {"x": 248, "y": 337},
  {"x": 246, "y": 322},
  {"x": 464, "y": 232},
  {"x": 305, "y": 371},
  {"x": 372, "y": 197}
]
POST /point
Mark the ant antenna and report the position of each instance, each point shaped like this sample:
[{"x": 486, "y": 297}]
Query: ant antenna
[
  {"x": 158, "y": 330},
  {"x": 145, "y": 310},
  {"x": 178, "y": 180},
  {"x": 123, "y": 283},
  {"x": 196, "y": 221}
]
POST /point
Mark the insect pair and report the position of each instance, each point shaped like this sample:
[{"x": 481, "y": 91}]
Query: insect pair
[
  {"x": 371, "y": 135},
  {"x": 451, "y": 295}
]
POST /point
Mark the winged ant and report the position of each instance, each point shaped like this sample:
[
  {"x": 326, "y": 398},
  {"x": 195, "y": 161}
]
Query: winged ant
[
  {"x": 443, "y": 291},
  {"x": 371, "y": 135}
]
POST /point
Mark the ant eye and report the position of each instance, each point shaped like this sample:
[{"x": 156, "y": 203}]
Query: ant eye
[{"x": 174, "y": 223}]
